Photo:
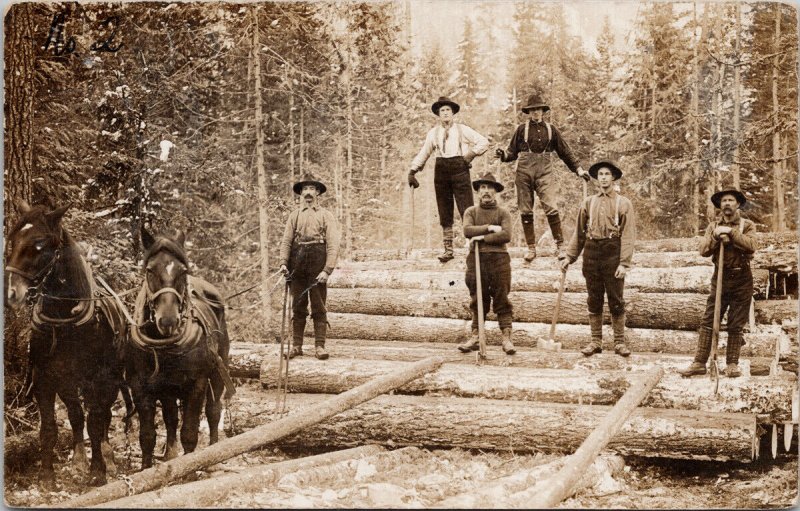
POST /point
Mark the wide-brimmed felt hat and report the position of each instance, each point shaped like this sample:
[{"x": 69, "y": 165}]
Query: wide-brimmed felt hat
[
  {"x": 442, "y": 101},
  {"x": 309, "y": 179},
  {"x": 717, "y": 197},
  {"x": 487, "y": 179},
  {"x": 534, "y": 101},
  {"x": 615, "y": 170}
]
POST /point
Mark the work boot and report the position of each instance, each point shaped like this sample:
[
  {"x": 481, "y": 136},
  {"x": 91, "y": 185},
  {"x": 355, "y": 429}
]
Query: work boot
[
  {"x": 618, "y": 324},
  {"x": 447, "y": 241},
  {"x": 700, "y": 356},
  {"x": 558, "y": 237},
  {"x": 471, "y": 344},
  {"x": 508, "y": 346},
  {"x": 530, "y": 240},
  {"x": 298, "y": 327},
  {"x": 295, "y": 351},
  {"x": 320, "y": 332},
  {"x": 596, "y": 344},
  {"x": 732, "y": 371},
  {"x": 531, "y": 254},
  {"x": 735, "y": 342},
  {"x": 320, "y": 353}
]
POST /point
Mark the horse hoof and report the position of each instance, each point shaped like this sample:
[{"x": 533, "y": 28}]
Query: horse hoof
[
  {"x": 171, "y": 453},
  {"x": 79, "y": 460},
  {"x": 108, "y": 457},
  {"x": 97, "y": 480}
]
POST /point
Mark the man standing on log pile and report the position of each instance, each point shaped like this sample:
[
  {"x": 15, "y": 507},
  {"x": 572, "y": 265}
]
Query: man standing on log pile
[
  {"x": 487, "y": 227},
  {"x": 455, "y": 145},
  {"x": 533, "y": 144},
  {"x": 309, "y": 249},
  {"x": 736, "y": 233},
  {"x": 606, "y": 229}
]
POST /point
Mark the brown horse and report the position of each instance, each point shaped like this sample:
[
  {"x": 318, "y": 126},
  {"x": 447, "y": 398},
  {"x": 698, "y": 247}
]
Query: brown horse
[
  {"x": 76, "y": 341},
  {"x": 178, "y": 349}
]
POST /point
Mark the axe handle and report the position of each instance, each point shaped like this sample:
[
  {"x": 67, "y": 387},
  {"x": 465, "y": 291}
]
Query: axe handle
[
  {"x": 717, "y": 309},
  {"x": 479, "y": 287},
  {"x": 561, "y": 284}
]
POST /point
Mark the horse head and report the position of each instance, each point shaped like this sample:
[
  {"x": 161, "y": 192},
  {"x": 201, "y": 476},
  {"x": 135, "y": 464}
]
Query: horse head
[
  {"x": 36, "y": 245},
  {"x": 166, "y": 269}
]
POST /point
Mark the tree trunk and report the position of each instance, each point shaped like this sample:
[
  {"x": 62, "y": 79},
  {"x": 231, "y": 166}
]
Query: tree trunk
[
  {"x": 209, "y": 492},
  {"x": 324, "y": 409},
  {"x": 668, "y": 280},
  {"x": 737, "y": 97},
  {"x": 20, "y": 91},
  {"x": 263, "y": 214},
  {"x": 518, "y": 426},
  {"x": 769, "y": 397},
  {"x": 291, "y": 139},
  {"x": 348, "y": 180},
  {"x": 676, "y": 311},
  {"x": 247, "y": 358},
  {"x": 778, "y": 221}
]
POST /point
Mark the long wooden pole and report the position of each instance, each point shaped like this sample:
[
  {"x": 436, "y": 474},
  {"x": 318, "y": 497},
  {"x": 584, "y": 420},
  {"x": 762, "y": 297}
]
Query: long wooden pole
[
  {"x": 158, "y": 476},
  {"x": 563, "y": 483},
  {"x": 717, "y": 306},
  {"x": 479, "y": 287}
]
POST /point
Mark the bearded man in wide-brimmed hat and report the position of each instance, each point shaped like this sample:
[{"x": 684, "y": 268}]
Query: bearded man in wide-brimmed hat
[
  {"x": 487, "y": 226},
  {"x": 605, "y": 233},
  {"x": 533, "y": 145},
  {"x": 309, "y": 249},
  {"x": 737, "y": 234},
  {"x": 455, "y": 145}
]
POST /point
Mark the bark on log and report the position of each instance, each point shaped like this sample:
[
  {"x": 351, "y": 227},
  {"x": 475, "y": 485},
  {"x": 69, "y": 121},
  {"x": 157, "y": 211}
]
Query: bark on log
[
  {"x": 677, "y": 311},
  {"x": 695, "y": 279},
  {"x": 247, "y": 358},
  {"x": 565, "y": 481},
  {"x": 768, "y": 396},
  {"x": 160, "y": 475},
  {"x": 208, "y": 492},
  {"x": 760, "y": 342},
  {"x": 518, "y": 426}
]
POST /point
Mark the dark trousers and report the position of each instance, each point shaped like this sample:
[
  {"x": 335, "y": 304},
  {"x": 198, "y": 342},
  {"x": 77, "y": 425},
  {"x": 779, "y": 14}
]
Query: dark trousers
[
  {"x": 495, "y": 285},
  {"x": 737, "y": 292},
  {"x": 452, "y": 185},
  {"x": 534, "y": 174},
  {"x": 305, "y": 263},
  {"x": 600, "y": 262}
]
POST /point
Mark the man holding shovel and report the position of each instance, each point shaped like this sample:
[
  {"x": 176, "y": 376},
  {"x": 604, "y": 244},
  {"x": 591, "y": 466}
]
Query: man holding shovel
[
  {"x": 309, "y": 249},
  {"x": 605, "y": 233},
  {"x": 455, "y": 146},
  {"x": 487, "y": 226},
  {"x": 736, "y": 234}
]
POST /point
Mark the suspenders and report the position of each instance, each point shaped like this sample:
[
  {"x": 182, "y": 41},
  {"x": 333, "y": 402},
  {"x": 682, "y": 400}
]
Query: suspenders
[
  {"x": 440, "y": 139},
  {"x": 616, "y": 213},
  {"x": 549, "y": 136}
]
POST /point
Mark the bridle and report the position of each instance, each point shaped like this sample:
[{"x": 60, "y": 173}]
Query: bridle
[{"x": 38, "y": 279}]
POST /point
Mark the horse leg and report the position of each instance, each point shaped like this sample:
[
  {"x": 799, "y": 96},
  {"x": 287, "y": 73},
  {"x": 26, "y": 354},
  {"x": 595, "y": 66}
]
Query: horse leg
[
  {"x": 45, "y": 395},
  {"x": 147, "y": 429},
  {"x": 214, "y": 407},
  {"x": 99, "y": 417},
  {"x": 192, "y": 407},
  {"x": 76, "y": 420},
  {"x": 169, "y": 409}
]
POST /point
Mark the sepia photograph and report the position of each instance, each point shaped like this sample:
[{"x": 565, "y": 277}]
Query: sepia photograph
[{"x": 456, "y": 254}]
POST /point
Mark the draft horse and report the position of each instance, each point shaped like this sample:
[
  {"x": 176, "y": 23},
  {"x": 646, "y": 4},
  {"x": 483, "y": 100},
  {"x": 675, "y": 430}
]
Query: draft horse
[
  {"x": 76, "y": 341},
  {"x": 178, "y": 348}
]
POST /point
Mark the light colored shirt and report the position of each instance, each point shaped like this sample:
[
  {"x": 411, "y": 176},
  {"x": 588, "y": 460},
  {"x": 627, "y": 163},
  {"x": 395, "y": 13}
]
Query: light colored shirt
[
  {"x": 461, "y": 141},
  {"x": 312, "y": 222},
  {"x": 600, "y": 218}
]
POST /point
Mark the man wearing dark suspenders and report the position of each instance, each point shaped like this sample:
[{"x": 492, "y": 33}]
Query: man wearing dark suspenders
[
  {"x": 605, "y": 233},
  {"x": 309, "y": 249},
  {"x": 736, "y": 233},
  {"x": 455, "y": 146},
  {"x": 533, "y": 145}
]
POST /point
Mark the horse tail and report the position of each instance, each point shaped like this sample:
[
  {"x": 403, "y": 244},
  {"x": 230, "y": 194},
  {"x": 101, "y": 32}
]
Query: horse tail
[{"x": 130, "y": 408}]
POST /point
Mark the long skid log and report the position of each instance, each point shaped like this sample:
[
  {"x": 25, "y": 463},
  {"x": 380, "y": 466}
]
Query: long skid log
[
  {"x": 769, "y": 396},
  {"x": 659, "y": 280},
  {"x": 505, "y": 425},
  {"x": 676, "y": 311},
  {"x": 160, "y": 475}
]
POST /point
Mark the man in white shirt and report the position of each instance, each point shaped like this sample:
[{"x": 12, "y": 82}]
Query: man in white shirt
[{"x": 455, "y": 146}]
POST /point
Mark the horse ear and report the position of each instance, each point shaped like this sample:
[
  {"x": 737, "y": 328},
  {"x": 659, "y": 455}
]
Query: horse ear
[
  {"x": 147, "y": 238},
  {"x": 180, "y": 237},
  {"x": 23, "y": 206},
  {"x": 55, "y": 216}
]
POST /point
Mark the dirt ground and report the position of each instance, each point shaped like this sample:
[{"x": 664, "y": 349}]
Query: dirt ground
[{"x": 435, "y": 475}]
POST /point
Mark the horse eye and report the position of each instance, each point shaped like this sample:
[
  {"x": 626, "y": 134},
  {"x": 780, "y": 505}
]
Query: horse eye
[{"x": 39, "y": 246}]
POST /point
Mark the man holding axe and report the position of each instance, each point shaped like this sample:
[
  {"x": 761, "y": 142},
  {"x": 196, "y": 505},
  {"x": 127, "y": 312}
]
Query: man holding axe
[
  {"x": 736, "y": 292},
  {"x": 487, "y": 226},
  {"x": 605, "y": 233}
]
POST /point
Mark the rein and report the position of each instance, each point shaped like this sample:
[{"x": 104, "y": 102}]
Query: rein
[{"x": 145, "y": 301}]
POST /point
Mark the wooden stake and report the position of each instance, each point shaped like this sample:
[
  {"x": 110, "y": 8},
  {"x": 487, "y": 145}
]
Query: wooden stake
[
  {"x": 788, "y": 432},
  {"x": 774, "y": 441},
  {"x": 162, "y": 474},
  {"x": 481, "y": 326}
]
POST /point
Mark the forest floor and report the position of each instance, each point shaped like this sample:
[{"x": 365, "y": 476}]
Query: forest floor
[{"x": 439, "y": 474}]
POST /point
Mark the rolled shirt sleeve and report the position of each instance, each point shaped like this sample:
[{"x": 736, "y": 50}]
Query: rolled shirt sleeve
[
  {"x": 422, "y": 156},
  {"x": 504, "y": 236},
  {"x": 512, "y": 151},
  {"x": 478, "y": 142}
]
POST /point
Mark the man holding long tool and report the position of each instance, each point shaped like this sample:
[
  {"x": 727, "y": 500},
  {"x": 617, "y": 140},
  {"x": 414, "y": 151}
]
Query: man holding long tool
[
  {"x": 533, "y": 144},
  {"x": 487, "y": 226},
  {"x": 605, "y": 233},
  {"x": 455, "y": 146},
  {"x": 309, "y": 249},
  {"x": 736, "y": 233}
]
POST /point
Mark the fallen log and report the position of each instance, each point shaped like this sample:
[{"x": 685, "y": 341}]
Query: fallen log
[
  {"x": 770, "y": 397},
  {"x": 695, "y": 279},
  {"x": 246, "y": 358},
  {"x": 564, "y": 483},
  {"x": 160, "y": 475},
  {"x": 208, "y": 492},
  {"x": 676, "y": 311},
  {"x": 505, "y": 425}
]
